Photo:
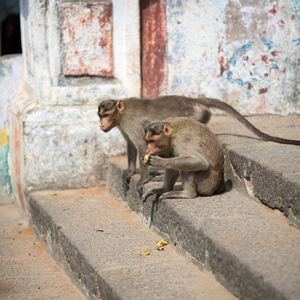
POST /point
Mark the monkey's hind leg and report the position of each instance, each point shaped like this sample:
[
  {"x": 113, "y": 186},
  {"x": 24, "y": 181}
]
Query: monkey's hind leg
[
  {"x": 178, "y": 194},
  {"x": 189, "y": 188},
  {"x": 131, "y": 154}
]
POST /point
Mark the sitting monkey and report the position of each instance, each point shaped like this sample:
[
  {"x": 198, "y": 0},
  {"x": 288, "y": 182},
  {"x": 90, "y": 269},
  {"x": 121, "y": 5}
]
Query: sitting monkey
[{"x": 186, "y": 147}]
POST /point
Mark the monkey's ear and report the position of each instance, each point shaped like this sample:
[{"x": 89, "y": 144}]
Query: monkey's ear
[
  {"x": 120, "y": 106},
  {"x": 167, "y": 130}
]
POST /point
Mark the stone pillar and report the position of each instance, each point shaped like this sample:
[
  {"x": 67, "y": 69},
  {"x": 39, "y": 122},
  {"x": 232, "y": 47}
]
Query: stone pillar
[{"x": 75, "y": 55}]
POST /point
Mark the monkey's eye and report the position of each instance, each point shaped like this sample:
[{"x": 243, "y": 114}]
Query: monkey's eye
[{"x": 151, "y": 141}]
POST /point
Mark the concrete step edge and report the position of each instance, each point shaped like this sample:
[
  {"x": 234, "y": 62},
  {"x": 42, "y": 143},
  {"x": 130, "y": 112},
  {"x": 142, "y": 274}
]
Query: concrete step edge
[{"x": 257, "y": 179}]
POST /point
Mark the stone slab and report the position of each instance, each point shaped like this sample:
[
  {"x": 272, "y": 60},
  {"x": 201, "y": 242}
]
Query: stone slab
[
  {"x": 271, "y": 170},
  {"x": 98, "y": 243}
]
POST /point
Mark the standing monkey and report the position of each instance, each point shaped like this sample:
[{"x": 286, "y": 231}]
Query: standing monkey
[
  {"x": 132, "y": 115},
  {"x": 186, "y": 147}
]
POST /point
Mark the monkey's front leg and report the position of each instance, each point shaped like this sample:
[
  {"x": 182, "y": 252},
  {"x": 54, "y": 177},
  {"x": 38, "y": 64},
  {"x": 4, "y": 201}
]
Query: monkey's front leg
[
  {"x": 144, "y": 178},
  {"x": 144, "y": 171},
  {"x": 131, "y": 154}
]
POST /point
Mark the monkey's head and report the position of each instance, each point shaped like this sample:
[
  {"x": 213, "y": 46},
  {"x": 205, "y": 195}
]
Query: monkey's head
[
  {"x": 109, "y": 114},
  {"x": 157, "y": 136}
]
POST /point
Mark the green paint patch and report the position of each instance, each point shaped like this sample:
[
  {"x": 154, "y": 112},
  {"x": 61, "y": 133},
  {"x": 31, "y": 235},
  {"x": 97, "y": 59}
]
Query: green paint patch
[
  {"x": 297, "y": 10},
  {"x": 5, "y": 182}
]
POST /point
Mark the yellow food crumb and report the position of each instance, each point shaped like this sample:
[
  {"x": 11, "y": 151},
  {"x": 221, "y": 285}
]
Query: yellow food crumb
[{"x": 147, "y": 252}]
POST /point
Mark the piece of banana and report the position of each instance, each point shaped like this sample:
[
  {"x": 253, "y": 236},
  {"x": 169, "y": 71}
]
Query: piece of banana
[
  {"x": 147, "y": 252},
  {"x": 146, "y": 159},
  {"x": 164, "y": 243},
  {"x": 159, "y": 246}
]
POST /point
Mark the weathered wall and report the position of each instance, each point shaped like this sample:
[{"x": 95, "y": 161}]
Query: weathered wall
[
  {"x": 48, "y": 54},
  {"x": 244, "y": 52},
  {"x": 10, "y": 77},
  {"x": 78, "y": 53},
  {"x": 72, "y": 157},
  {"x": 75, "y": 55}
]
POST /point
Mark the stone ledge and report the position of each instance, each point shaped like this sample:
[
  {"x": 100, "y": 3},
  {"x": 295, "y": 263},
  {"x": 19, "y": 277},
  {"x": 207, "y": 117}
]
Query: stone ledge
[
  {"x": 265, "y": 170},
  {"x": 249, "y": 248},
  {"x": 97, "y": 241}
]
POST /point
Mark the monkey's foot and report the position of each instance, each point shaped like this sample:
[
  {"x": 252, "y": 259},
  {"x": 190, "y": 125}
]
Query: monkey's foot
[
  {"x": 128, "y": 175},
  {"x": 146, "y": 195},
  {"x": 141, "y": 183},
  {"x": 156, "y": 192},
  {"x": 178, "y": 195}
]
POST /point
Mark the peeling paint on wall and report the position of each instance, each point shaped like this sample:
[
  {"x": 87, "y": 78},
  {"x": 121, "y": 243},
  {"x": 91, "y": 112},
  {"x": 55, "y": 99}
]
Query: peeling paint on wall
[
  {"x": 297, "y": 10},
  {"x": 154, "y": 40},
  {"x": 246, "y": 53},
  {"x": 16, "y": 159},
  {"x": 10, "y": 77},
  {"x": 5, "y": 184},
  {"x": 87, "y": 38}
]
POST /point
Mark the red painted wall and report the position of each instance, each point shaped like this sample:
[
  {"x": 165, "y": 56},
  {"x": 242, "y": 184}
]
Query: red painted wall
[{"x": 153, "y": 41}]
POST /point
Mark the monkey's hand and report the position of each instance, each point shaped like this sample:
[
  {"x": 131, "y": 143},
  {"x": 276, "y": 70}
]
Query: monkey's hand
[{"x": 156, "y": 161}]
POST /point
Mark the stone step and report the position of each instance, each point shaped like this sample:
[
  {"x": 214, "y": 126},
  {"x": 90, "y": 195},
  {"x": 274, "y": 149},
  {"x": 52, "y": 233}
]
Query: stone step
[
  {"x": 98, "y": 243},
  {"x": 248, "y": 247},
  {"x": 267, "y": 171}
]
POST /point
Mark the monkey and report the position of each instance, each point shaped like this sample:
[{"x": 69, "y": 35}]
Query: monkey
[
  {"x": 182, "y": 146},
  {"x": 132, "y": 115}
]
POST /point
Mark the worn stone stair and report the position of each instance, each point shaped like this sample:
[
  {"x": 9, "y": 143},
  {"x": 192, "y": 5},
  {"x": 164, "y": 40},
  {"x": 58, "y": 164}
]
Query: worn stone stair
[
  {"x": 250, "y": 248},
  {"x": 266, "y": 171},
  {"x": 239, "y": 243},
  {"x": 98, "y": 243}
]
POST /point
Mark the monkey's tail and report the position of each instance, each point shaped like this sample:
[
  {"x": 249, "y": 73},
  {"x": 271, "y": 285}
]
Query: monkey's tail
[{"x": 216, "y": 103}]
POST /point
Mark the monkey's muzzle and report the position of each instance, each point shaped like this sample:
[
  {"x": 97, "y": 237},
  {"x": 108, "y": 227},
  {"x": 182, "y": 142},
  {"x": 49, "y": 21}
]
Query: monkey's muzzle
[{"x": 146, "y": 159}]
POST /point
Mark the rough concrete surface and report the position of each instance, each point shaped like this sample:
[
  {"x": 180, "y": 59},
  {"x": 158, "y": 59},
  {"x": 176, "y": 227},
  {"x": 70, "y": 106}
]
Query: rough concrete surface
[
  {"x": 98, "y": 242},
  {"x": 270, "y": 171},
  {"x": 248, "y": 247},
  {"x": 26, "y": 270}
]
